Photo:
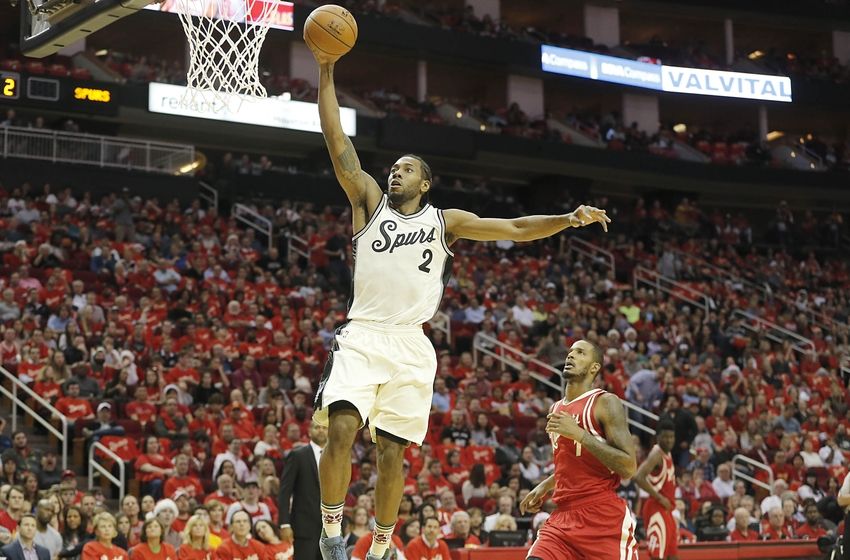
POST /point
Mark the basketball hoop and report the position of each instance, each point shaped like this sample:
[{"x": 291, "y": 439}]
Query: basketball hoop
[{"x": 225, "y": 38}]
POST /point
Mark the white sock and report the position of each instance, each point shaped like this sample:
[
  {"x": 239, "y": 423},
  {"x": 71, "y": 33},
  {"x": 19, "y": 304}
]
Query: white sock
[
  {"x": 382, "y": 536},
  {"x": 332, "y": 519}
]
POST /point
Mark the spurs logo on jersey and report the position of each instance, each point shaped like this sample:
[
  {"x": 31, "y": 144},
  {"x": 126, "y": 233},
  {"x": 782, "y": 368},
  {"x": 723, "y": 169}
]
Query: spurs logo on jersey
[
  {"x": 401, "y": 239},
  {"x": 401, "y": 266}
]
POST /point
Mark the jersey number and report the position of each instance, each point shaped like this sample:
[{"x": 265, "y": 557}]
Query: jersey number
[{"x": 428, "y": 256}]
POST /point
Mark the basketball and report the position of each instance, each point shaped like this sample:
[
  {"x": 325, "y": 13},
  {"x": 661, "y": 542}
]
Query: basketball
[{"x": 330, "y": 29}]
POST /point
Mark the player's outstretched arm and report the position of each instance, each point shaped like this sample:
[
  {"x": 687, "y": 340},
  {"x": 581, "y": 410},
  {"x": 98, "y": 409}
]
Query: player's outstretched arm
[
  {"x": 358, "y": 185},
  {"x": 466, "y": 225},
  {"x": 617, "y": 451},
  {"x": 655, "y": 458}
]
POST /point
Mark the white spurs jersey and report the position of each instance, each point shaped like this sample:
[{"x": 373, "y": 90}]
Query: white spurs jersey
[{"x": 401, "y": 266}]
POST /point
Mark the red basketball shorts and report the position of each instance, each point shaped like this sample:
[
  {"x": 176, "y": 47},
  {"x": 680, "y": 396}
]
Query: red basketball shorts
[
  {"x": 602, "y": 530},
  {"x": 662, "y": 533}
]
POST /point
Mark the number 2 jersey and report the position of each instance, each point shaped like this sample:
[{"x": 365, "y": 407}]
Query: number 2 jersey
[
  {"x": 401, "y": 266},
  {"x": 579, "y": 476}
]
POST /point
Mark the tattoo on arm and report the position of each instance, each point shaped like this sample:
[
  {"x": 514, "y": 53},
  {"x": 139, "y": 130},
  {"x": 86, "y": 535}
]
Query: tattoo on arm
[
  {"x": 617, "y": 453},
  {"x": 349, "y": 164}
]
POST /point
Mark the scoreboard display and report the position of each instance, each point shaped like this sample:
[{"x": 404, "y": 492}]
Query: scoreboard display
[{"x": 62, "y": 93}]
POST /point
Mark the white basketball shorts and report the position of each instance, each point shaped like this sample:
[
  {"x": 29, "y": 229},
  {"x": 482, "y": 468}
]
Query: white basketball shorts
[{"x": 387, "y": 372}]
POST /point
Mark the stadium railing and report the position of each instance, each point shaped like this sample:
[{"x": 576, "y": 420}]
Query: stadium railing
[
  {"x": 442, "y": 322},
  {"x": 208, "y": 193},
  {"x": 513, "y": 357},
  {"x": 102, "y": 151},
  {"x": 745, "y": 475},
  {"x": 297, "y": 245},
  {"x": 253, "y": 219},
  {"x": 95, "y": 465},
  {"x": 774, "y": 332},
  {"x": 593, "y": 252},
  {"x": 678, "y": 290},
  {"x": 818, "y": 318},
  {"x": 17, "y": 387}
]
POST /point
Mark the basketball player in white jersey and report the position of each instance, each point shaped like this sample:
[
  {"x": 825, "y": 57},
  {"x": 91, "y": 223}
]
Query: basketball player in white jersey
[{"x": 382, "y": 366}]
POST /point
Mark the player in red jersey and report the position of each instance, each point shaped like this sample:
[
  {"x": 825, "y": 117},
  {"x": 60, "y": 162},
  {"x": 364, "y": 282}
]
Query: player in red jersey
[
  {"x": 657, "y": 475},
  {"x": 593, "y": 450}
]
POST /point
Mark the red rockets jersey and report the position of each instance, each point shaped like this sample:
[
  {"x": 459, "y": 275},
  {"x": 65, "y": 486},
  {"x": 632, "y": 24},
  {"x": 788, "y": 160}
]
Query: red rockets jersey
[
  {"x": 663, "y": 477},
  {"x": 579, "y": 475}
]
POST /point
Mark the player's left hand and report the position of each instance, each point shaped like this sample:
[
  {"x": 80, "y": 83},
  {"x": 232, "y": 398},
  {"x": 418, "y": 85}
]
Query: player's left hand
[
  {"x": 586, "y": 215},
  {"x": 564, "y": 425}
]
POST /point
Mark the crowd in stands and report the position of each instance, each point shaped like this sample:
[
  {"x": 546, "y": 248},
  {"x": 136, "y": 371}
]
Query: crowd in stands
[{"x": 174, "y": 337}]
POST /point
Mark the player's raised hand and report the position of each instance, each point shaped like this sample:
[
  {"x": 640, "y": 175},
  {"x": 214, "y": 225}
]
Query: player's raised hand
[
  {"x": 564, "y": 425},
  {"x": 322, "y": 57},
  {"x": 586, "y": 215}
]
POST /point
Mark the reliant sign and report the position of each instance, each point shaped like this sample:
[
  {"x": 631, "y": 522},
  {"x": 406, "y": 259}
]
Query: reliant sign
[
  {"x": 665, "y": 78},
  {"x": 272, "y": 111}
]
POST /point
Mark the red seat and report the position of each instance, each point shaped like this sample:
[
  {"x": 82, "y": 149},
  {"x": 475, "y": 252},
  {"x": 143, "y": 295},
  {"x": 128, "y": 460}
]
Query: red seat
[
  {"x": 58, "y": 70},
  {"x": 131, "y": 427},
  {"x": 436, "y": 420},
  {"x": 34, "y": 67},
  {"x": 11, "y": 64},
  {"x": 81, "y": 74}
]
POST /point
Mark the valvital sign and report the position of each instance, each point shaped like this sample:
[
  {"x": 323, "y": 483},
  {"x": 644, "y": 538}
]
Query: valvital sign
[{"x": 675, "y": 79}]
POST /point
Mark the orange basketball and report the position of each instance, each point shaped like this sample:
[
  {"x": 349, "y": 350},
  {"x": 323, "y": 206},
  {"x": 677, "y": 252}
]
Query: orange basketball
[{"x": 330, "y": 29}]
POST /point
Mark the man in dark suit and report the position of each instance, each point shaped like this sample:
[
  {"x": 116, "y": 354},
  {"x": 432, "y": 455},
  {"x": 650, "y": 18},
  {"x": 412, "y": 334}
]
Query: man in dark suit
[
  {"x": 24, "y": 547},
  {"x": 299, "y": 502}
]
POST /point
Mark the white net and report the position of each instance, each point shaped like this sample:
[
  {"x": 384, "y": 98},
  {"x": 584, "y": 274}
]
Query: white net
[{"x": 225, "y": 38}]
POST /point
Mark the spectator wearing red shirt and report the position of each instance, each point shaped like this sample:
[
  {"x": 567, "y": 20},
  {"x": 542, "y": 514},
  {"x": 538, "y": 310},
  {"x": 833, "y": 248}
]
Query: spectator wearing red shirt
[
  {"x": 196, "y": 540},
  {"x": 216, "y": 513},
  {"x": 812, "y": 529},
  {"x": 247, "y": 371},
  {"x": 72, "y": 406},
  {"x": 460, "y": 526},
  {"x": 448, "y": 506},
  {"x": 171, "y": 422},
  {"x": 10, "y": 516},
  {"x": 225, "y": 494},
  {"x": 181, "y": 500},
  {"x": 781, "y": 468},
  {"x": 9, "y": 349},
  {"x": 276, "y": 549},
  {"x": 102, "y": 547},
  {"x": 151, "y": 546},
  {"x": 776, "y": 529},
  {"x": 183, "y": 374},
  {"x": 152, "y": 467},
  {"x": 436, "y": 480},
  {"x": 242, "y": 421},
  {"x": 140, "y": 409},
  {"x": 428, "y": 546},
  {"x": 742, "y": 531},
  {"x": 182, "y": 480},
  {"x": 240, "y": 546}
]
